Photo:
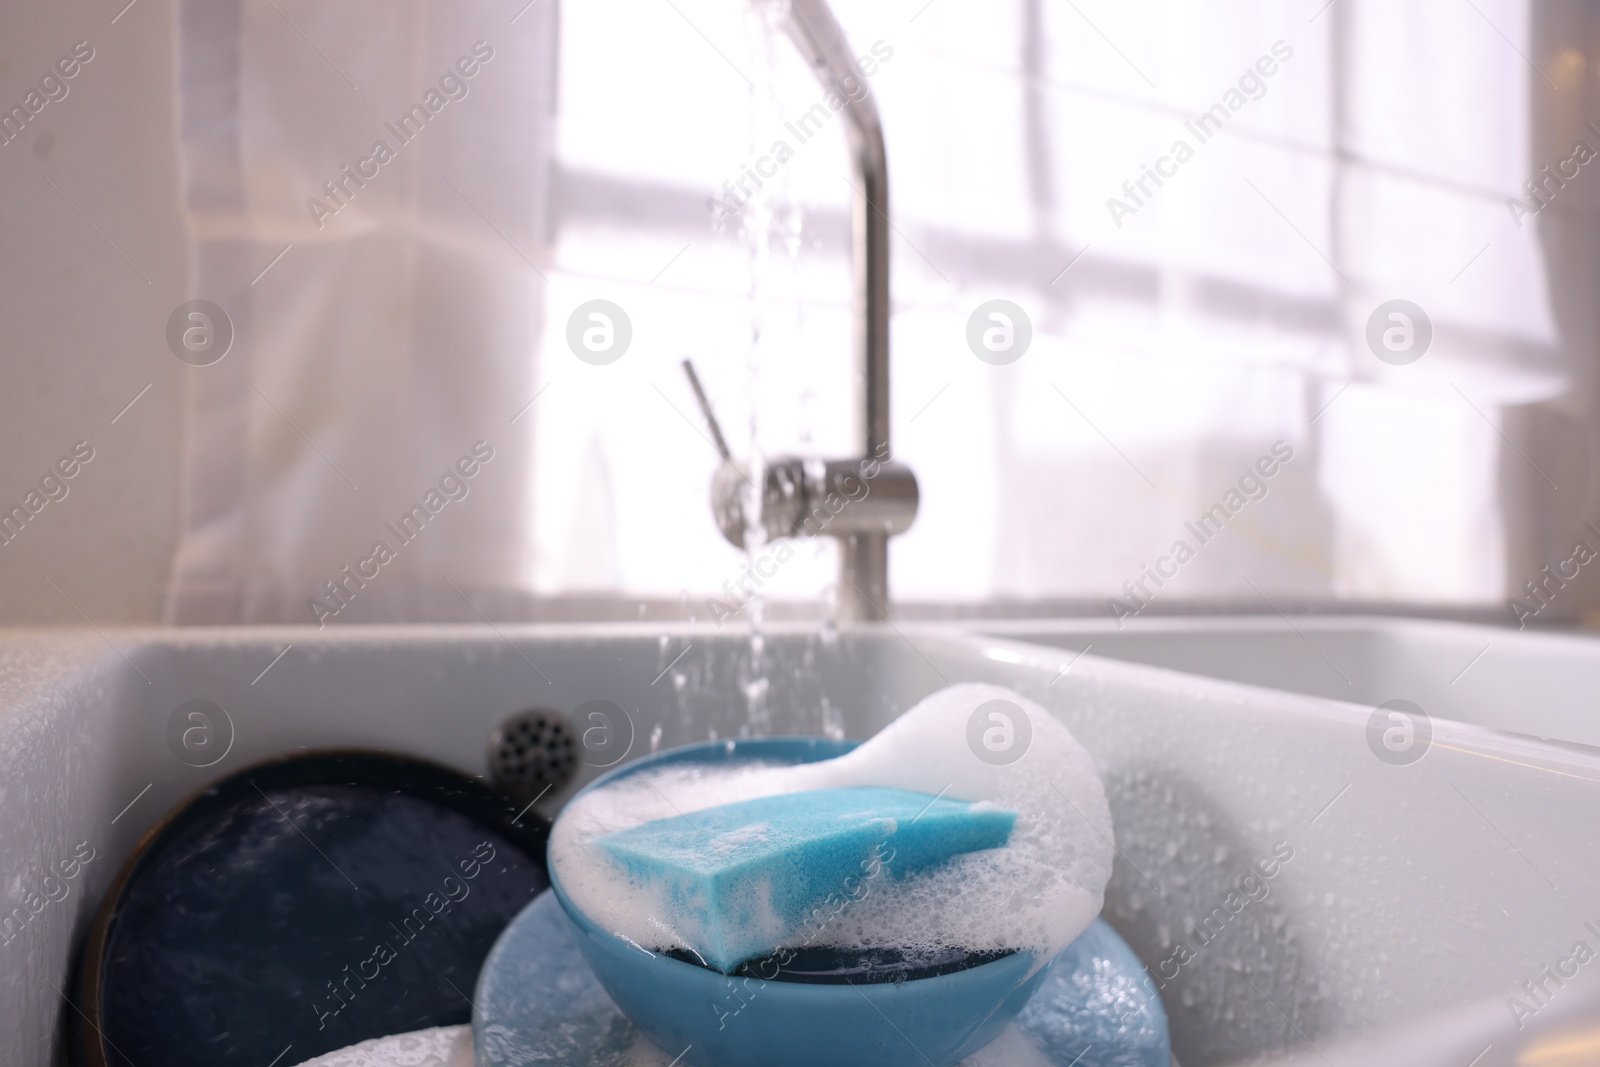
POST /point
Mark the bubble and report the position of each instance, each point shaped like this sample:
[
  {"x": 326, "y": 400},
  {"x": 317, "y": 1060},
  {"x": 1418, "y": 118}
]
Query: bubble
[{"x": 1037, "y": 893}]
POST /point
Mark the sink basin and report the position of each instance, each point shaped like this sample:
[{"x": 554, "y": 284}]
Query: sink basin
[
  {"x": 1530, "y": 682},
  {"x": 1396, "y": 891}
]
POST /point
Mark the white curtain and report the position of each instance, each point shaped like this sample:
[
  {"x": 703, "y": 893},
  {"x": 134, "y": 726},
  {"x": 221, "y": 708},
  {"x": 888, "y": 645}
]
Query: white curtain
[
  {"x": 1174, "y": 345},
  {"x": 365, "y": 186},
  {"x": 1188, "y": 334}
]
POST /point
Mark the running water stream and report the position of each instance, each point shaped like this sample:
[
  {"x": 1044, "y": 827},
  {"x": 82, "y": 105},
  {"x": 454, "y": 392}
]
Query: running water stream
[{"x": 771, "y": 225}]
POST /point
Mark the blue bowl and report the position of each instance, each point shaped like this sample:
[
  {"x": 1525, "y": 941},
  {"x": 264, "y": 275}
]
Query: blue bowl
[{"x": 713, "y": 1020}]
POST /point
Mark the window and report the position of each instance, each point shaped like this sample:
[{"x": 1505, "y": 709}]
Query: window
[{"x": 1198, "y": 209}]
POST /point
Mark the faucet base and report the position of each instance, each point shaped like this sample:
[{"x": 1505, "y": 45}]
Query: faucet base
[{"x": 863, "y": 577}]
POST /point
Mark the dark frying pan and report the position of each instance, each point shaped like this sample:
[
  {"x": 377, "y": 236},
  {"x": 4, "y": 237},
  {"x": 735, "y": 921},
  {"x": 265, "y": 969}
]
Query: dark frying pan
[{"x": 300, "y": 906}]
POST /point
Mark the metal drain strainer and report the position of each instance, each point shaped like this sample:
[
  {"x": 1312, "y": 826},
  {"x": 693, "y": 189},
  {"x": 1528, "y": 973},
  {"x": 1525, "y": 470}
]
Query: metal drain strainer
[{"x": 531, "y": 752}]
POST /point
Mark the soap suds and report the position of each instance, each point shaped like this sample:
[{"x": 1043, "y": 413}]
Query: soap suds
[{"x": 1036, "y": 894}]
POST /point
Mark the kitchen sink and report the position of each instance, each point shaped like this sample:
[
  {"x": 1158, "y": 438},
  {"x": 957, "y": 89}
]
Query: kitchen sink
[
  {"x": 1402, "y": 887},
  {"x": 1540, "y": 683}
]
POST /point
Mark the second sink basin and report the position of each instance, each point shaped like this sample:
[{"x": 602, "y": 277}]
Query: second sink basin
[{"x": 1527, "y": 682}]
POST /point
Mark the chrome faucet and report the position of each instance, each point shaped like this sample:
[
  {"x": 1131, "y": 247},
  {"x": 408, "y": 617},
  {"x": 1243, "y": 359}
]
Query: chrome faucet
[{"x": 861, "y": 502}]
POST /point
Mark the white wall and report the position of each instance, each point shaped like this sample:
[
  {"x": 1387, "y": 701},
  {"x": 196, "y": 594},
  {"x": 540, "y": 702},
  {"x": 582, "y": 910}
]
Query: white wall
[
  {"x": 84, "y": 301},
  {"x": 81, "y": 331}
]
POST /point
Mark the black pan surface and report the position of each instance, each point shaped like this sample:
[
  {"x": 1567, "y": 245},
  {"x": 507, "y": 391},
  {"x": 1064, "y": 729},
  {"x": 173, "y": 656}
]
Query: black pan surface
[{"x": 301, "y": 906}]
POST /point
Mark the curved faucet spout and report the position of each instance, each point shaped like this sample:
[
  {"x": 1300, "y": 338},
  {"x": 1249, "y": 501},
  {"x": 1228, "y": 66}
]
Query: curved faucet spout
[
  {"x": 864, "y": 558},
  {"x": 821, "y": 41}
]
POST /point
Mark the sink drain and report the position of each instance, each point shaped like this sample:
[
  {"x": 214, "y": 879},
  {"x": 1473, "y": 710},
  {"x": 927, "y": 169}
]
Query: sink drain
[{"x": 531, "y": 752}]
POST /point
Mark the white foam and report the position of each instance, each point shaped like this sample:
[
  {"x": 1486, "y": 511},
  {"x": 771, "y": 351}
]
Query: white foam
[{"x": 1037, "y": 893}]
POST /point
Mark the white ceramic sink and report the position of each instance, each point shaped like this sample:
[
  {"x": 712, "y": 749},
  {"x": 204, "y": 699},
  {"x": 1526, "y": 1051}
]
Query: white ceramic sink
[
  {"x": 1533, "y": 682},
  {"x": 1411, "y": 889}
]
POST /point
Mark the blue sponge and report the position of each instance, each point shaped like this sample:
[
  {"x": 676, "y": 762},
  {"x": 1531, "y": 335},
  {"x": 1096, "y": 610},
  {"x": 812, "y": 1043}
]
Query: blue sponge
[{"x": 741, "y": 878}]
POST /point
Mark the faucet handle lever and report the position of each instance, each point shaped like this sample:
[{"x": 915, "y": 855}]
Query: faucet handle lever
[{"x": 705, "y": 409}]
